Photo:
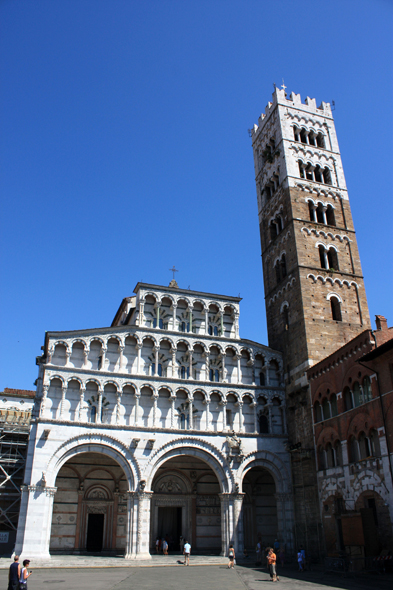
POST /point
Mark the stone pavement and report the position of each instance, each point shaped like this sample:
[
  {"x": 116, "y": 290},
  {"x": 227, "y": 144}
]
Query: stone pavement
[{"x": 195, "y": 577}]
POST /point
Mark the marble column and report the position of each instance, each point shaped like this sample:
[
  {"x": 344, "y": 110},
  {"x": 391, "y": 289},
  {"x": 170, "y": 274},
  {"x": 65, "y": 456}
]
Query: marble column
[
  {"x": 81, "y": 402},
  {"x": 154, "y": 398},
  {"x": 254, "y": 407},
  {"x": 173, "y": 402},
  {"x": 239, "y": 369},
  {"x": 138, "y": 360},
  {"x": 99, "y": 407},
  {"x": 141, "y": 318},
  {"x": 63, "y": 396},
  {"x": 137, "y": 396},
  {"x": 174, "y": 309},
  {"x": 103, "y": 358},
  {"x": 121, "y": 357},
  {"x": 173, "y": 351},
  {"x": 190, "y": 413},
  {"x": 206, "y": 322},
  {"x": 238, "y": 536},
  {"x": 240, "y": 406},
  {"x": 190, "y": 364},
  {"x": 156, "y": 350},
  {"x": 223, "y": 368}
]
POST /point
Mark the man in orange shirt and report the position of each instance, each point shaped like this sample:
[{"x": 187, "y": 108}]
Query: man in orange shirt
[{"x": 271, "y": 560}]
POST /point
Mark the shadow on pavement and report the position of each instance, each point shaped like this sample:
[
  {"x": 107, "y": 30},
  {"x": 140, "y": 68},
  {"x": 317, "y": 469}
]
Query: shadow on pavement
[{"x": 317, "y": 576}]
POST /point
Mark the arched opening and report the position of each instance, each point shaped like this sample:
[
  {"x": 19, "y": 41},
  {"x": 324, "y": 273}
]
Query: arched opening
[
  {"x": 259, "y": 508},
  {"x": 90, "y": 506},
  {"x": 186, "y": 503}
]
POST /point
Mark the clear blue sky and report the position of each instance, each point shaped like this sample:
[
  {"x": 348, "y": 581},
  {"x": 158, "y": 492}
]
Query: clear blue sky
[{"x": 124, "y": 150}]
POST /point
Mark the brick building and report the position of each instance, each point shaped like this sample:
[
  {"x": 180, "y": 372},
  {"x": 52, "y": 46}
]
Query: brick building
[{"x": 352, "y": 397}]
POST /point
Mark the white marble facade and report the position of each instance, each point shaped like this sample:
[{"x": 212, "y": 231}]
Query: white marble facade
[{"x": 168, "y": 407}]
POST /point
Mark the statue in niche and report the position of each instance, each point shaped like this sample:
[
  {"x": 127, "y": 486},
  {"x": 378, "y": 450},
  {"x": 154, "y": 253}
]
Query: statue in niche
[{"x": 234, "y": 445}]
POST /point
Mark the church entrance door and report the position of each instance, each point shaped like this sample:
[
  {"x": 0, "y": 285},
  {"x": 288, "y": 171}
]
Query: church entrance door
[
  {"x": 259, "y": 508},
  {"x": 170, "y": 525},
  {"x": 95, "y": 532}
]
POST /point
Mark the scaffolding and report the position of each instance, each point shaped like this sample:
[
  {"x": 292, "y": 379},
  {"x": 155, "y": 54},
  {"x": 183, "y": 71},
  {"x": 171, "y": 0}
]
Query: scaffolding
[{"x": 14, "y": 435}]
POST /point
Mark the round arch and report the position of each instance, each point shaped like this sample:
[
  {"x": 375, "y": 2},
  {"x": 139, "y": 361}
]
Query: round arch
[
  {"x": 203, "y": 451},
  {"x": 93, "y": 443},
  {"x": 273, "y": 464}
]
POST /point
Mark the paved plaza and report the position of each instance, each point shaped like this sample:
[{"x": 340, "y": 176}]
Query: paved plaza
[{"x": 195, "y": 577}]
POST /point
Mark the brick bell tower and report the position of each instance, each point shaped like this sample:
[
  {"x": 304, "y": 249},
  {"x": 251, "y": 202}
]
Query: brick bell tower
[{"x": 314, "y": 291}]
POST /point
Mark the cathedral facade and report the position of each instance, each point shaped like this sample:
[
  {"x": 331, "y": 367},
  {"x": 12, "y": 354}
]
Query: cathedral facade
[{"x": 164, "y": 424}]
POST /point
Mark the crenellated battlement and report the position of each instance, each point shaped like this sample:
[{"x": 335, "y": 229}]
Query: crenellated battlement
[{"x": 279, "y": 97}]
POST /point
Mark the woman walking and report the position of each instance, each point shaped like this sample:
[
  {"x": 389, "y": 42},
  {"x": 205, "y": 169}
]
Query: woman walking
[{"x": 231, "y": 557}]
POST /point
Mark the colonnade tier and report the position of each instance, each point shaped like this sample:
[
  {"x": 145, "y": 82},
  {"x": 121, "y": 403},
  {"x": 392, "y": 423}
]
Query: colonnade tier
[
  {"x": 68, "y": 397},
  {"x": 148, "y": 354}
]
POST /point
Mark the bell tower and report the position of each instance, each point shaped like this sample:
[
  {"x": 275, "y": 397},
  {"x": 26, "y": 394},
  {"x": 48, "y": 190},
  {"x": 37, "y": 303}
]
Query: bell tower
[{"x": 314, "y": 290}]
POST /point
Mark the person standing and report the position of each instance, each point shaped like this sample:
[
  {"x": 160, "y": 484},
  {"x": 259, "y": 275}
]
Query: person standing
[
  {"x": 24, "y": 574},
  {"x": 14, "y": 574},
  {"x": 187, "y": 551},
  {"x": 165, "y": 547},
  {"x": 272, "y": 560},
  {"x": 258, "y": 550},
  {"x": 231, "y": 557}
]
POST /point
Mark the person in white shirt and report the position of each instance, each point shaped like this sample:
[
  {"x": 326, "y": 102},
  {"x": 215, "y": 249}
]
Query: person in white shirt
[{"x": 187, "y": 551}]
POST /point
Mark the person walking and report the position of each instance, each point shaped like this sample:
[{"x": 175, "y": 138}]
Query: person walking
[
  {"x": 231, "y": 557},
  {"x": 300, "y": 560},
  {"x": 14, "y": 574},
  {"x": 24, "y": 574},
  {"x": 187, "y": 551},
  {"x": 165, "y": 547},
  {"x": 272, "y": 560}
]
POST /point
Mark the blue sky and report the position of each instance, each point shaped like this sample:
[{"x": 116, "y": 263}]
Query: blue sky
[{"x": 124, "y": 150}]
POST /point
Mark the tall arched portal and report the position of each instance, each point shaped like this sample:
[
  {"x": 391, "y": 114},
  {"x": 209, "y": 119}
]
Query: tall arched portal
[
  {"x": 186, "y": 502},
  {"x": 259, "y": 508},
  {"x": 90, "y": 506}
]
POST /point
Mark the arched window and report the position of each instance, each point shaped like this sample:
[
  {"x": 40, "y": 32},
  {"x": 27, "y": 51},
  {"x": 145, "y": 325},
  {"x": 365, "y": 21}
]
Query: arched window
[
  {"x": 320, "y": 217},
  {"x": 364, "y": 446},
  {"x": 210, "y": 330},
  {"x": 327, "y": 178},
  {"x": 159, "y": 370},
  {"x": 321, "y": 458},
  {"x": 263, "y": 424},
  {"x": 279, "y": 224},
  {"x": 303, "y": 136},
  {"x": 277, "y": 269},
  {"x": 348, "y": 401},
  {"x": 318, "y": 174},
  {"x": 283, "y": 265},
  {"x": 311, "y": 138},
  {"x": 330, "y": 218},
  {"x": 317, "y": 412},
  {"x": 330, "y": 456},
  {"x": 338, "y": 452},
  {"x": 273, "y": 230},
  {"x": 261, "y": 378},
  {"x": 312, "y": 211},
  {"x": 353, "y": 450},
  {"x": 320, "y": 140},
  {"x": 326, "y": 409},
  {"x": 375, "y": 446},
  {"x": 332, "y": 259},
  {"x": 182, "y": 372},
  {"x": 215, "y": 331},
  {"x": 333, "y": 405},
  {"x": 367, "y": 389},
  {"x": 335, "y": 306},
  {"x": 285, "y": 313},
  {"x": 216, "y": 375},
  {"x": 160, "y": 323},
  {"x": 301, "y": 169},
  {"x": 357, "y": 394},
  {"x": 211, "y": 375},
  {"x": 322, "y": 257}
]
